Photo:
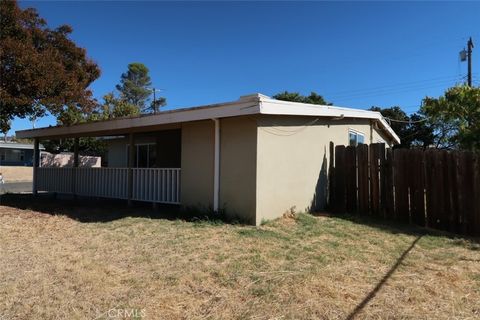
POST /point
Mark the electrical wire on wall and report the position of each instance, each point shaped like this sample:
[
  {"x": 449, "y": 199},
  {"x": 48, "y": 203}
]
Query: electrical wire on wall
[{"x": 273, "y": 129}]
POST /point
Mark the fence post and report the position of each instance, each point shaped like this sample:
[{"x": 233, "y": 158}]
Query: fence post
[
  {"x": 375, "y": 157},
  {"x": 430, "y": 188},
  {"x": 382, "y": 182},
  {"x": 401, "y": 186},
  {"x": 466, "y": 195},
  {"x": 331, "y": 176},
  {"x": 351, "y": 178},
  {"x": 452, "y": 168},
  {"x": 131, "y": 163},
  {"x": 475, "y": 197},
  {"x": 417, "y": 186},
  {"x": 363, "y": 189},
  {"x": 387, "y": 191},
  {"x": 340, "y": 201}
]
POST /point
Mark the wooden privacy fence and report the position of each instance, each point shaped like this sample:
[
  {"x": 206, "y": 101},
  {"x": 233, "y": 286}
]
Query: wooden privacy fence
[{"x": 433, "y": 188}]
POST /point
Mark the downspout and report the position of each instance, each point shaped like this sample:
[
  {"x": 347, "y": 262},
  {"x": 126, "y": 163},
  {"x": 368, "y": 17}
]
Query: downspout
[{"x": 216, "y": 165}]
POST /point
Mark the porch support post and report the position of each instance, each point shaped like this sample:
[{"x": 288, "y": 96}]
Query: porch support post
[
  {"x": 216, "y": 174},
  {"x": 36, "y": 162},
  {"x": 75, "y": 152},
  {"x": 75, "y": 166},
  {"x": 131, "y": 161}
]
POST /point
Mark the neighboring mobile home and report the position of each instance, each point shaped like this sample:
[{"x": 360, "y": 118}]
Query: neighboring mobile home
[
  {"x": 255, "y": 157},
  {"x": 16, "y": 154}
]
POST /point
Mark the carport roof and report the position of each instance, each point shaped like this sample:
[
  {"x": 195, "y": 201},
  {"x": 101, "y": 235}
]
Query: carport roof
[{"x": 247, "y": 105}]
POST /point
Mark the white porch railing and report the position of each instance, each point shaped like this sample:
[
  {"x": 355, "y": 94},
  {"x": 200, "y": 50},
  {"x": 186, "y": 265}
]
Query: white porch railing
[
  {"x": 156, "y": 185},
  {"x": 102, "y": 182},
  {"x": 160, "y": 185},
  {"x": 54, "y": 179}
]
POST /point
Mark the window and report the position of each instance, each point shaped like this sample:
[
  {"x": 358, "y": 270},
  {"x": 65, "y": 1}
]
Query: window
[
  {"x": 355, "y": 138},
  {"x": 145, "y": 155},
  {"x": 22, "y": 155},
  {"x": 142, "y": 156}
]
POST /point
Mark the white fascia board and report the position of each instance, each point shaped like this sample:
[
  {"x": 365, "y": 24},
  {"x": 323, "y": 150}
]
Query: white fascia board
[
  {"x": 247, "y": 107},
  {"x": 277, "y": 107},
  {"x": 389, "y": 129}
]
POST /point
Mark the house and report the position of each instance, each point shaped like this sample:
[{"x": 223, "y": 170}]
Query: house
[
  {"x": 16, "y": 154},
  {"x": 256, "y": 157}
]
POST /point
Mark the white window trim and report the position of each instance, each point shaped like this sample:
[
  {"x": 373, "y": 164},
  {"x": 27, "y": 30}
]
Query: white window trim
[
  {"x": 136, "y": 153},
  {"x": 357, "y": 132}
]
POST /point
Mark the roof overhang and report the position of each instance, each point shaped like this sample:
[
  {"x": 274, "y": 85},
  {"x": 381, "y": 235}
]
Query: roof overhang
[
  {"x": 278, "y": 107},
  {"x": 144, "y": 123},
  {"x": 20, "y": 146},
  {"x": 246, "y": 105}
]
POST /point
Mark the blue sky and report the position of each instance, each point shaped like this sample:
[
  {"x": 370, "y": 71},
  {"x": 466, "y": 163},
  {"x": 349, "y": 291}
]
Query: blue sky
[{"x": 355, "y": 54}]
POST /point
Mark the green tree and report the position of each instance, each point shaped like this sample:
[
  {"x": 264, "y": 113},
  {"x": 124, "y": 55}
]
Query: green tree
[
  {"x": 40, "y": 67},
  {"x": 134, "y": 85},
  {"x": 421, "y": 132},
  {"x": 4, "y": 128},
  {"x": 159, "y": 102},
  {"x": 455, "y": 117},
  {"x": 413, "y": 130},
  {"x": 116, "y": 107},
  {"x": 87, "y": 145},
  {"x": 313, "y": 98}
]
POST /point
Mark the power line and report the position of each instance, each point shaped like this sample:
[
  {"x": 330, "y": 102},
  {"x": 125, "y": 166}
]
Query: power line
[
  {"x": 413, "y": 52},
  {"x": 395, "y": 85},
  {"x": 405, "y": 121},
  {"x": 380, "y": 93},
  {"x": 406, "y": 86}
]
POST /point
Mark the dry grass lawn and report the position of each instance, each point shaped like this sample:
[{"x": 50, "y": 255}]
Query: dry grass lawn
[{"x": 53, "y": 266}]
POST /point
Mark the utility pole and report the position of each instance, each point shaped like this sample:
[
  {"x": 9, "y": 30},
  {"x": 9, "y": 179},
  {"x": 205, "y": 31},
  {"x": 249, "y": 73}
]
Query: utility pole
[
  {"x": 154, "y": 106},
  {"x": 154, "y": 102},
  {"x": 469, "y": 57}
]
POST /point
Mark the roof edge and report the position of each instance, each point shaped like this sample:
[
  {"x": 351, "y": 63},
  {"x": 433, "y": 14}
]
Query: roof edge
[
  {"x": 256, "y": 103},
  {"x": 280, "y": 107}
]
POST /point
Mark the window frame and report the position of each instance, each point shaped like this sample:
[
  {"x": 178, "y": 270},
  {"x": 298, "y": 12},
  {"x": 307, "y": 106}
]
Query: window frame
[
  {"x": 137, "y": 153},
  {"x": 356, "y": 133}
]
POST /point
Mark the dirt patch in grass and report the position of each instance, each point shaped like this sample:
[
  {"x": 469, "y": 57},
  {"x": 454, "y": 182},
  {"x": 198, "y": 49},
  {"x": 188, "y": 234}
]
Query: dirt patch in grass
[{"x": 53, "y": 266}]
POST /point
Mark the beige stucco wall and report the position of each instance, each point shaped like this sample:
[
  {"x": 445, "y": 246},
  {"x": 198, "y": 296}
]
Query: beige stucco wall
[
  {"x": 197, "y": 163},
  {"x": 292, "y": 161},
  {"x": 379, "y": 136},
  {"x": 238, "y": 154},
  {"x": 268, "y": 164}
]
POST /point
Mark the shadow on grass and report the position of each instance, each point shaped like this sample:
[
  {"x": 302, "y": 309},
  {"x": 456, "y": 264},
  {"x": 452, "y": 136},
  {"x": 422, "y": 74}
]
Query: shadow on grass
[
  {"x": 382, "y": 282},
  {"x": 93, "y": 210},
  {"x": 395, "y": 227}
]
